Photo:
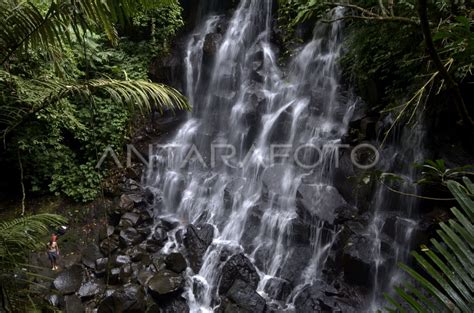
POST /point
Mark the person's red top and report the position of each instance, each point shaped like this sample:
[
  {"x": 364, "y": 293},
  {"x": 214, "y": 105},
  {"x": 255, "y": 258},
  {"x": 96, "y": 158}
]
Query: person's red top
[{"x": 54, "y": 238}]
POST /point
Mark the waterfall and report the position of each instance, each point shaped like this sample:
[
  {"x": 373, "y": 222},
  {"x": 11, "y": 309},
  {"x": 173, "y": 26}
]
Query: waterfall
[
  {"x": 221, "y": 169},
  {"x": 395, "y": 213}
]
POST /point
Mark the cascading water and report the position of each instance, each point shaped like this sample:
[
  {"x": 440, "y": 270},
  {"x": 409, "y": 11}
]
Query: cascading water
[
  {"x": 394, "y": 217},
  {"x": 255, "y": 159}
]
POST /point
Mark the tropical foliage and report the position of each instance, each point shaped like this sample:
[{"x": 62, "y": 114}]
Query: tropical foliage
[
  {"x": 68, "y": 66},
  {"x": 18, "y": 238},
  {"x": 448, "y": 264},
  {"x": 392, "y": 65}
]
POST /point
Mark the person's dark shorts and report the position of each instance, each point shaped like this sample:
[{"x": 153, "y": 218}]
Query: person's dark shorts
[{"x": 52, "y": 256}]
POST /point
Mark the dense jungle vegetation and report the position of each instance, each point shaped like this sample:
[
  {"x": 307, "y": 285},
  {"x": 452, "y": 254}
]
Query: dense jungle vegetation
[{"x": 74, "y": 80}]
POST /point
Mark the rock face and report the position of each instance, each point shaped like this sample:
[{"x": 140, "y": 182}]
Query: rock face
[
  {"x": 196, "y": 240},
  {"x": 69, "y": 281},
  {"x": 238, "y": 267}
]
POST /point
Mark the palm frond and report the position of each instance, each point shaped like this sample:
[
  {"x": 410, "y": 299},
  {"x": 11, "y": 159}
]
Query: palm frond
[
  {"x": 448, "y": 266},
  {"x": 140, "y": 95},
  {"x": 25, "y": 25},
  {"x": 19, "y": 236}
]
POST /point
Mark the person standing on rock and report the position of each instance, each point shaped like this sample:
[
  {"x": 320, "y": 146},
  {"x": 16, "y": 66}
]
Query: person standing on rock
[{"x": 53, "y": 254}]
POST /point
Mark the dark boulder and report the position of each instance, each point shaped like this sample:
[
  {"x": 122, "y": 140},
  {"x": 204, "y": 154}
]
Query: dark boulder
[
  {"x": 130, "y": 237},
  {"x": 196, "y": 240},
  {"x": 211, "y": 44},
  {"x": 164, "y": 283},
  {"x": 129, "y": 201},
  {"x": 278, "y": 289},
  {"x": 168, "y": 223},
  {"x": 175, "y": 262},
  {"x": 91, "y": 289},
  {"x": 296, "y": 263},
  {"x": 113, "y": 276},
  {"x": 70, "y": 280},
  {"x": 136, "y": 254},
  {"x": 129, "y": 219},
  {"x": 242, "y": 298},
  {"x": 175, "y": 305},
  {"x": 101, "y": 266},
  {"x": 321, "y": 297},
  {"x": 109, "y": 245},
  {"x": 160, "y": 234},
  {"x": 318, "y": 200},
  {"x": 238, "y": 267},
  {"x": 153, "y": 246},
  {"x": 72, "y": 304},
  {"x": 130, "y": 298},
  {"x": 90, "y": 254},
  {"x": 144, "y": 276},
  {"x": 122, "y": 260}
]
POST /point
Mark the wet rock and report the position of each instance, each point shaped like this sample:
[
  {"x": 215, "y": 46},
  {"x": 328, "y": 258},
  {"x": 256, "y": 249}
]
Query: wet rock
[
  {"x": 344, "y": 213},
  {"x": 130, "y": 237},
  {"x": 318, "y": 200},
  {"x": 277, "y": 288},
  {"x": 300, "y": 231},
  {"x": 101, "y": 266},
  {"x": 238, "y": 267},
  {"x": 196, "y": 240},
  {"x": 69, "y": 281},
  {"x": 122, "y": 260},
  {"x": 160, "y": 235},
  {"x": 129, "y": 298},
  {"x": 109, "y": 245},
  {"x": 126, "y": 273},
  {"x": 321, "y": 297},
  {"x": 145, "y": 231},
  {"x": 245, "y": 297},
  {"x": 252, "y": 226},
  {"x": 153, "y": 246},
  {"x": 272, "y": 179},
  {"x": 296, "y": 263},
  {"x": 129, "y": 201},
  {"x": 72, "y": 304},
  {"x": 212, "y": 43},
  {"x": 176, "y": 262},
  {"x": 91, "y": 289},
  {"x": 136, "y": 253},
  {"x": 90, "y": 254},
  {"x": 169, "y": 223},
  {"x": 175, "y": 305},
  {"x": 164, "y": 283},
  {"x": 113, "y": 276},
  {"x": 357, "y": 261},
  {"x": 129, "y": 219},
  {"x": 144, "y": 276}
]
